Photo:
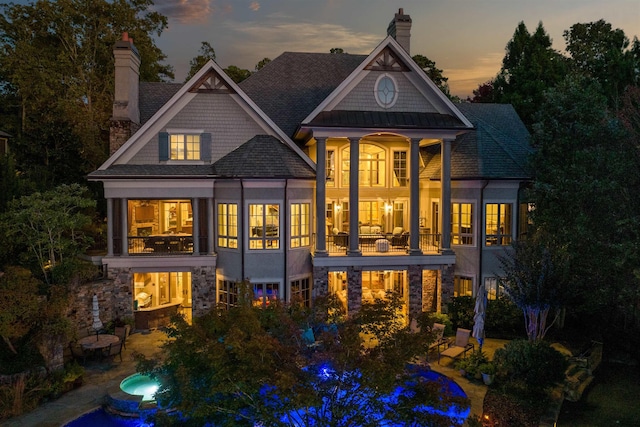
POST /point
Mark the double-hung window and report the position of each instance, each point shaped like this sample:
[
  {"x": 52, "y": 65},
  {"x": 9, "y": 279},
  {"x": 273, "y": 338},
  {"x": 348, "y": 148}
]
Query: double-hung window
[
  {"x": 498, "y": 227},
  {"x": 462, "y": 286},
  {"x": 301, "y": 291},
  {"x": 228, "y": 225},
  {"x": 227, "y": 293},
  {"x": 184, "y": 145},
  {"x": 493, "y": 287},
  {"x": 399, "y": 168},
  {"x": 462, "y": 224},
  {"x": 264, "y": 226},
  {"x": 300, "y": 227}
]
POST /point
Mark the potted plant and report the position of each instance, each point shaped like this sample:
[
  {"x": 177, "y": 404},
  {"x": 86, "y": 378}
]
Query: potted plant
[
  {"x": 488, "y": 371},
  {"x": 462, "y": 365}
]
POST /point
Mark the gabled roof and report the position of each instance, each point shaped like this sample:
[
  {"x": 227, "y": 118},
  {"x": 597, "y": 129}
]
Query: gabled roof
[
  {"x": 293, "y": 84},
  {"x": 153, "y": 95},
  {"x": 498, "y": 148},
  {"x": 210, "y": 78},
  {"x": 263, "y": 156},
  {"x": 153, "y": 171}
]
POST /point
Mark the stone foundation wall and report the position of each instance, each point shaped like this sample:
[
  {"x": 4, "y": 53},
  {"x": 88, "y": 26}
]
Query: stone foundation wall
[
  {"x": 415, "y": 290},
  {"x": 429, "y": 291},
  {"x": 203, "y": 290},
  {"x": 354, "y": 290},
  {"x": 446, "y": 285},
  {"x": 320, "y": 282}
]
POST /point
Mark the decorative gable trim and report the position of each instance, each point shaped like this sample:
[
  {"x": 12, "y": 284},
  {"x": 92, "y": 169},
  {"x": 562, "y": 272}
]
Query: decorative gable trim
[
  {"x": 210, "y": 83},
  {"x": 387, "y": 60}
]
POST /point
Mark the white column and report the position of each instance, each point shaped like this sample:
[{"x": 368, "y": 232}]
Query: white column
[
  {"x": 414, "y": 196},
  {"x": 195, "y": 225},
  {"x": 210, "y": 222},
  {"x": 109, "y": 227},
  {"x": 124, "y": 208},
  {"x": 354, "y": 182},
  {"x": 445, "y": 196},
  {"x": 321, "y": 196}
]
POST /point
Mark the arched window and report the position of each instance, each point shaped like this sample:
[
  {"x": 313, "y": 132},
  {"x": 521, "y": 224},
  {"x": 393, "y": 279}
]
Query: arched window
[{"x": 372, "y": 166}]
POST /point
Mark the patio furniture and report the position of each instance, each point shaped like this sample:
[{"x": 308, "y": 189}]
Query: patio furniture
[
  {"x": 440, "y": 340},
  {"x": 459, "y": 347},
  {"x": 77, "y": 353},
  {"x": 113, "y": 350},
  {"x": 122, "y": 332},
  {"x": 400, "y": 240}
]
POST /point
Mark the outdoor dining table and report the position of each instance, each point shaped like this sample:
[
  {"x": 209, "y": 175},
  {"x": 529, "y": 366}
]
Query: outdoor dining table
[{"x": 98, "y": 342}]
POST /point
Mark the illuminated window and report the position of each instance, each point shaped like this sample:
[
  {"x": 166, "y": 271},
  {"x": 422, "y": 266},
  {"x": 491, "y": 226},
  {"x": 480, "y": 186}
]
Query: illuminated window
[
  {"x": 462, "y": 286},
  {"x": 372, "y": 166},
  {"x": 228, "y": 225},
  {"x": 370, "y": 213},
  {"x": 264, "y": 226},
  {"x": 300, "y": 227},
  {"x": 493, "y": 287},
  {"x": 331, "y": 168},
  {"x": 265, "y": 293},
  {"x": 462, "y": 224},
  {"x": 228, "y": 293},
  {"x": 301, "y": 291},
  {"x": 498, "y": 224},
  {"x": 184, "y": 147},
  {"x": 399, "y": 168}
]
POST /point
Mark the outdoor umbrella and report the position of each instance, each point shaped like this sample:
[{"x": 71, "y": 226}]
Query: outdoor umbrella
[
  {"x": 478, "y": 317},
  {"x": 95, "y": 311}
]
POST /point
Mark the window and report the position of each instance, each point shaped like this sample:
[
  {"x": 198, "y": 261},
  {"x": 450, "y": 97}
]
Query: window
[
  {"x": 372, "y": 166},
  {"x": 370, "y": 213},
  {"x": 227, "y": 293},
  {"x": 493, "y": 287},
  {"x": 300, "y": 227},
  {"x": 386, "y": 91},
  {"x": 331, "y": 168},
  {"x": 264, "y": 226},
  {"x": 265, "y": 293},
  {"x": 462, "y": 286},
  {"x": 155, "y": 289},
  {"x": 301, "y": 291},
  {"x": 399, "y": 168},
  {"x": 184, "y": 147},
  {"x": 498, "y": 224},
  {"x": 228, "y": 225},
  {"x": 462, "y": 223},
  {"x": 398, "y": 214}
]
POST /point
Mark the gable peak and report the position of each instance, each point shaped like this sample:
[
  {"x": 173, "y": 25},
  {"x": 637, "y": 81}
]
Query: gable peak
[
  {"x": 387, "y": 60},
  {"x": 210, "y": 82}
]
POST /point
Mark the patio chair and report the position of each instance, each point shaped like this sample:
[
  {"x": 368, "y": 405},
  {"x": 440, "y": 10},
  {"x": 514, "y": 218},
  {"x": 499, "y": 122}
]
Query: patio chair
[
  {"x": 112, "y": 351},
  {"x": 77, "y": 352},
  {"x": 122, "y": 332},
  {"x": 440, "y": 340},
  {"x": 459, "y": 347}
]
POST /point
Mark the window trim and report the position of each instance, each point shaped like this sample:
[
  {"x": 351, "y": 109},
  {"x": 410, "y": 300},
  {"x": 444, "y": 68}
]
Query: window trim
[
  {"x": 500, "y": 236},
  {"x": 461, "y": 235},
  {"x": 264, "y": 238},
  {"x": 406, "y": 169},
  {"x": 465, "y": 277},
  {"x": 301, "y": 236},
  {"x": 376, "y": 91},
  {"x": 227, "y": 236}
]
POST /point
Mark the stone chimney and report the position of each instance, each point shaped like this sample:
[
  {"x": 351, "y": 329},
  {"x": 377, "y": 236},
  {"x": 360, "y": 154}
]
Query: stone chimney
[
  {"x": 125, "y": 119},
  {"x": 400, "y": 29}
]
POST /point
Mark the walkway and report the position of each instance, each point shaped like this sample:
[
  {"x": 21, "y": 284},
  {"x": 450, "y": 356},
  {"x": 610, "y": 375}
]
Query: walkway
[{"x": 100, "y": 377}]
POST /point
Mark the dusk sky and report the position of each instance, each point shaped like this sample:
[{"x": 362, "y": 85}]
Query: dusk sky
[{"x": 466, "y": 38}]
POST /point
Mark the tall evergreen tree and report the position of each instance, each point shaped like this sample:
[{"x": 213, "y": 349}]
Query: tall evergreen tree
[
  {"x": 529, "y": 67},
  {"x": 56, "y": 60}
]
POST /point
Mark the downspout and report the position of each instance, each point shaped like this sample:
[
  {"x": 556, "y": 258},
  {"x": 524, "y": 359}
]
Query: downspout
[
  {"x": 285, "y": 240},
  {"x": 242, "y": 260}
]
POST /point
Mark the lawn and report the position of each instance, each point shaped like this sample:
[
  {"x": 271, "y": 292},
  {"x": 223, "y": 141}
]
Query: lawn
[{"x": 611, "y": 400}]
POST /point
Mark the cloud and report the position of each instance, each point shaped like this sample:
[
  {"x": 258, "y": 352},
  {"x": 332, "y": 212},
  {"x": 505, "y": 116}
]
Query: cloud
[
  {"x": 463, "y": 81},
  {"x": 255, "y": 6},
  {"x": 185, "y": 11}
]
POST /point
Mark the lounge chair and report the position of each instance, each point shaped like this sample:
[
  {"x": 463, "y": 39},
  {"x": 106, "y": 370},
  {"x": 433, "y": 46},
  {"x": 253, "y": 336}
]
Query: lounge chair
[
  {"x": 440, "y": 340},
  {"x": 459, "y": 347}
]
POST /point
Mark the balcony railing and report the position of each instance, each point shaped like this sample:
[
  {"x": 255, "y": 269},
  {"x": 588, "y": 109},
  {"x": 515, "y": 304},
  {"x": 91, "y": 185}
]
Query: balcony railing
[
  {"x": 166, "y": 244},
  {"x": 383, "y": 243}
]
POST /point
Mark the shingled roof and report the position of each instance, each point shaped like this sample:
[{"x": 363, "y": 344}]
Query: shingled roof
[
  {"x": 153, "y": 170},
  {"x": 291, "y": 86},
  {"x": 387, "y": 119},
  {"x": 153, "y": 95},
  {"x": 263, "y": 156},
  {"x": 497, "y": 148}
]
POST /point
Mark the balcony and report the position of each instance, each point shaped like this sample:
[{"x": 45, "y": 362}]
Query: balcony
[
  {"x": 383, "y": 244},
  {"x": 164, "y": 244}
]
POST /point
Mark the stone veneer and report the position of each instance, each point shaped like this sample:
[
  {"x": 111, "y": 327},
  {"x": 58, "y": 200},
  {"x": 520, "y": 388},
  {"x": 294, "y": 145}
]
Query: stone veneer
[
  {"x": 415, "y": 290},
  {"x": 320, "y": 281},
  {"x": 354, "y": 289}
]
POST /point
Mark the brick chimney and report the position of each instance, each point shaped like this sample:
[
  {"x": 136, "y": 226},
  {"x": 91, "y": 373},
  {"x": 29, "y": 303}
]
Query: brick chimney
[
  {"x": 400, "y": 29},
  {"x": 125, "y": 119}
]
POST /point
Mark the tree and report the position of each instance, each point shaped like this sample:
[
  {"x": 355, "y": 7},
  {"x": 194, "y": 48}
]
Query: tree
[
  {"x": 534, "y": 278},
  {"x": 433, "y": 72},
  {"x": 336, "y": 50},
  {"x": 20, "y": 305},
  {"x": 56, "y": 62},
  {"x": 586, "y": 176},
  {"x": 262, "y": 63},
  {"x": 601, "y": 53},
  {"x": 284, "y": 365},
  {"x": 529, "y": 67},
  {"x": 50, "y": 224},
  {"x": 484, "y": 93},
  {"x": 207, "y": 53},
  {"x": 237, "y": 74}
]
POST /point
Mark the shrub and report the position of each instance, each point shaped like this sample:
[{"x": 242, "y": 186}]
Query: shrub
[
  {"x": 461, "y": 310},
  {"x": 534, "y": 365},
  {"x": 503, "y": 319}
]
